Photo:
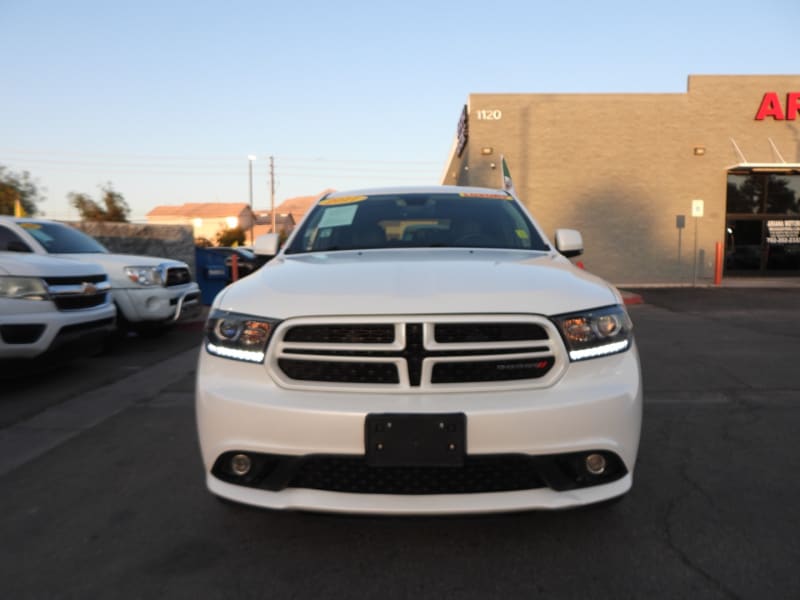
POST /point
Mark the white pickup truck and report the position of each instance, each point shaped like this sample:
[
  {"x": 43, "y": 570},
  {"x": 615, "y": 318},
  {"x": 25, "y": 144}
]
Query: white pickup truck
[
  {"x": 51, "y": 304},
  {"x": 150, "y": 293}
]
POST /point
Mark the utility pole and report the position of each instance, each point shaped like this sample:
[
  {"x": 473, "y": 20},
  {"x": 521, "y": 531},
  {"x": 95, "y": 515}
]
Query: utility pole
[
  {"x": 250, "y": 159},
  {"x": 272, "y": 190}
]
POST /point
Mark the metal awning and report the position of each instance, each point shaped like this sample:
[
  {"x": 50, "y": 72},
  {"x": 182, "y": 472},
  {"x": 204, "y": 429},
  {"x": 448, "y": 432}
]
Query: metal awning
[{"x": 777, "y": 167}]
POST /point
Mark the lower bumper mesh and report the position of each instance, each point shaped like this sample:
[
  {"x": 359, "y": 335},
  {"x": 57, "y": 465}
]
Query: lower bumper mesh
[{"x": 479, "y": 474}]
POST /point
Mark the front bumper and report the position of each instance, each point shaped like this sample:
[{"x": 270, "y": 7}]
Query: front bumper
[
  {"x": 31, "y": 329},
  {"x": 595, "y": 406},
  {"x": 159, "y": 304}
]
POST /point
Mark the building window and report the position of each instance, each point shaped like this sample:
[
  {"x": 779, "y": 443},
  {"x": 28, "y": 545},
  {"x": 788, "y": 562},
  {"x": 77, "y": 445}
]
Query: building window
[{"x": 763, "y": 222}]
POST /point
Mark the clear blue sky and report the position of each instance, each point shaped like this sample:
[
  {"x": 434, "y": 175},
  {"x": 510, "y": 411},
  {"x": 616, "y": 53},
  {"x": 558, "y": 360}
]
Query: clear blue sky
[{"x": 167, "y": 99}]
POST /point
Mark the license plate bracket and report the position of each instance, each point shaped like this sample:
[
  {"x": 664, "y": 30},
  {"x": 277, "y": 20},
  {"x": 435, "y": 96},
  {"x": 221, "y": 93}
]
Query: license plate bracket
[{"x": 415, "y": 440}]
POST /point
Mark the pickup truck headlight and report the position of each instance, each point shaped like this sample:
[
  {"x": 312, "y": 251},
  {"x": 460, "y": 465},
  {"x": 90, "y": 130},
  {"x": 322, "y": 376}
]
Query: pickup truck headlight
[
  {"x": 145, "y": 276},
  {"x": 237, "y": 336},
  {"x": 595, "y": 333},
  {"x": 23, "y": 288}
]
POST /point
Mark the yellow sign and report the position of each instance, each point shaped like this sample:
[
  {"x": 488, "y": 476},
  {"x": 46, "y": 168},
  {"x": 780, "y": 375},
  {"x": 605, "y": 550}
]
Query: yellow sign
[
  {"x": 485, "y": 195},
  {"x": 342, "y": 200}
]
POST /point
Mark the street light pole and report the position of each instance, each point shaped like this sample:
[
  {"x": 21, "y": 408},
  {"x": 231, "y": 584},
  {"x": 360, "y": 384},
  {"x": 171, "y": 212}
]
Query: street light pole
[
  {"x": 272, "y": 190},
  {"x": 250, "y": 159}
]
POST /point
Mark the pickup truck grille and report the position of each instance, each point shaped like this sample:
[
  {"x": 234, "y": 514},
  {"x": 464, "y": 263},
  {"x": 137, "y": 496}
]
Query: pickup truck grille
[
  {"x": 178, "y": 276},
  {"x": 78, "y": 293},
  {"x": 436, "y": 353}
]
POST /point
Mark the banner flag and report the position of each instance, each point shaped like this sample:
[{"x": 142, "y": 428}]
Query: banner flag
[
  {"x": 508, "y": 184},
  {"x": 18, "y": 210}
]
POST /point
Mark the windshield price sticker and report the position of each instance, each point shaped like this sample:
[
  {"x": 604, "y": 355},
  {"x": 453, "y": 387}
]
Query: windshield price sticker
[
  {"x": 485, "y": 195},
  {"x": 342, "y": 200}
]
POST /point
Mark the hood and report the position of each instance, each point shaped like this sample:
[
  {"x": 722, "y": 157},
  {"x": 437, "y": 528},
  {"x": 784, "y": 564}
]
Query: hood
[
  {"x": 115, "y": 264},
  {"x": 25, "y": 264},
  {"x": 123, "y": 260},
  {"x": 417, "y": 281}
]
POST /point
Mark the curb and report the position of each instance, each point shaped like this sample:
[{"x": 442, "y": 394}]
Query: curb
[{"x": 631, "y": 298}]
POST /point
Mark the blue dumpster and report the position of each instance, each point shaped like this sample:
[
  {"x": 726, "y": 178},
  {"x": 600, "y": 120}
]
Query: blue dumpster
[{"x": 212, "y": 274}]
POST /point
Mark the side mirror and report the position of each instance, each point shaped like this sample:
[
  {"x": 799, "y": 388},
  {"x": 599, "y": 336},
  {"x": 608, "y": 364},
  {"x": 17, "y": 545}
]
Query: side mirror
[
  {"x": 267, "y": 244},
  {"x": 569, "y": 242}
]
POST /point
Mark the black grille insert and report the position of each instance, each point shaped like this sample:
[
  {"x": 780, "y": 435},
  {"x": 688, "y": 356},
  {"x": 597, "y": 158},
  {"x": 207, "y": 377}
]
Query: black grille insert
[
  {"x": 178, "y": 276},
  {"x": 463, "y": 333},
  {"x": 21, "y": 334},
  {"x": 339, "y": 371},
  {"x": 341, "y": 334},
  {"x": 491, "y": 370},
  {"x": 78, "y": 302},
  {"x": 75, "y": 280}
]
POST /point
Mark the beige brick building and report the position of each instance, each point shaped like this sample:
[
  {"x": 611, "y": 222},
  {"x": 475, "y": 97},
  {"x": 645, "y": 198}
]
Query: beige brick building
[{"x": 624, "y": 169}]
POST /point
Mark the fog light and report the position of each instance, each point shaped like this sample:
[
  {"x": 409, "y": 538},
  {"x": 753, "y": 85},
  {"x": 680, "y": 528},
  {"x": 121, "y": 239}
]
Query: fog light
[
  {"x": 596, "y": 464},
  {"x": 240, "y": 464}
]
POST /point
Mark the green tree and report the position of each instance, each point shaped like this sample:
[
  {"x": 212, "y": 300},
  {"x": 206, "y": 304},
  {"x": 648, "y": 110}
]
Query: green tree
[
  {"x": 231, "y": 237},
  {"x": 20, "y": 186},
  {"x": 112, "y": 206}
]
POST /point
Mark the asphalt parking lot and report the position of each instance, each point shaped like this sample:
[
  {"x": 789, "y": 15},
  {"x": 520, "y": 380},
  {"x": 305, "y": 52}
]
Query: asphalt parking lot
[{"x": 114, "y": 503}]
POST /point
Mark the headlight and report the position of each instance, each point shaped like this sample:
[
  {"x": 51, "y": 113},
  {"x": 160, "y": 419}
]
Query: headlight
[
  {"x": 23, "y": 288},
  {"x": 594, "y": 333},
  {"x": 146, "y": 276},
  {"x": 238, "y": 337}
]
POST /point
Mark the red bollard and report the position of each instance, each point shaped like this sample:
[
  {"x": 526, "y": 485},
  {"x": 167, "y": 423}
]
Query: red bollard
[
  {"x": 234, "y": 267},
  {"x": 718, "y": 265}
]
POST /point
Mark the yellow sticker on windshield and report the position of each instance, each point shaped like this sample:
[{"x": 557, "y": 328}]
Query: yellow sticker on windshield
[
  {"x": 342, "y": 200},
  {"x": 521, "y": 234},
  {"x": 30, "y": 225},
  {"x": 485, "y": 195}
]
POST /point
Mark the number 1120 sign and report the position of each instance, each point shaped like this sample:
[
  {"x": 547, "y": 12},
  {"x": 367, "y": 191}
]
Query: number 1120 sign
[{"x": 489, "y": 115}]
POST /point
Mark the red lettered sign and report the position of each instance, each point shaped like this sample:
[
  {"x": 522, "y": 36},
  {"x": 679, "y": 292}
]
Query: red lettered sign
[{"x": 771, "y": 107}]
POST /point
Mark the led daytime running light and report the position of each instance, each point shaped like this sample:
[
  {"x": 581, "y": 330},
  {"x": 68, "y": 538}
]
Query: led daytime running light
[
  {"x": 612, "y": 348},
  {"x": 245, "y": 355}
]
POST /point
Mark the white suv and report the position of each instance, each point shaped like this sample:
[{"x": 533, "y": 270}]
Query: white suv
[
  {"x": 149, "y": 292},
  {"x": 419, "y": 350},
  {"x": 51, "y": 304}
]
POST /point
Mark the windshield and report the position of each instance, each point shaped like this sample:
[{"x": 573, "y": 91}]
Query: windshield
[
  {"x": 61, "y": 239},
  {"x": 417, "y": 220}
]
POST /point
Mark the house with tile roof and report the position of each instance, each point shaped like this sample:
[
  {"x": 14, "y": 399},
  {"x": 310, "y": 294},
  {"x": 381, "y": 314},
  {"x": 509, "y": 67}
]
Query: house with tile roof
[{"x": 207, "y": 219}]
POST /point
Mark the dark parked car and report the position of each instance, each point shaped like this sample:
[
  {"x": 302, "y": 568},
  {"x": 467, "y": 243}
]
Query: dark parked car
[{"x": 246, "y": 259}]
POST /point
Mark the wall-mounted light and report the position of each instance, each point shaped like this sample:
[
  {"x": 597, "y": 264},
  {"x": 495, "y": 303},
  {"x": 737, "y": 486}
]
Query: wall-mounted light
[
  {"x": 699, "y": 150},
  {"x": 487, "y": 151}
]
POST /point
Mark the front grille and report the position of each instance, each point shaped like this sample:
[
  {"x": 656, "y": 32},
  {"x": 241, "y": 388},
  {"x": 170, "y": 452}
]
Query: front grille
[
  {"x": 79, "y": 302},
  {"x": 51, "y": 281},
  {"x": 479, "y": 474},
  {"x": 178, "y": 276},
  {"x": 429, "y": 353},
  {"x": 79, "y": 293}
]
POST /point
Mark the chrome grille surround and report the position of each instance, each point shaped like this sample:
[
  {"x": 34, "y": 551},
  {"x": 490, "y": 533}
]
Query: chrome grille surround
[
  {"x": 414, "y": 353},
  {"x": 79, "y": 293}
]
